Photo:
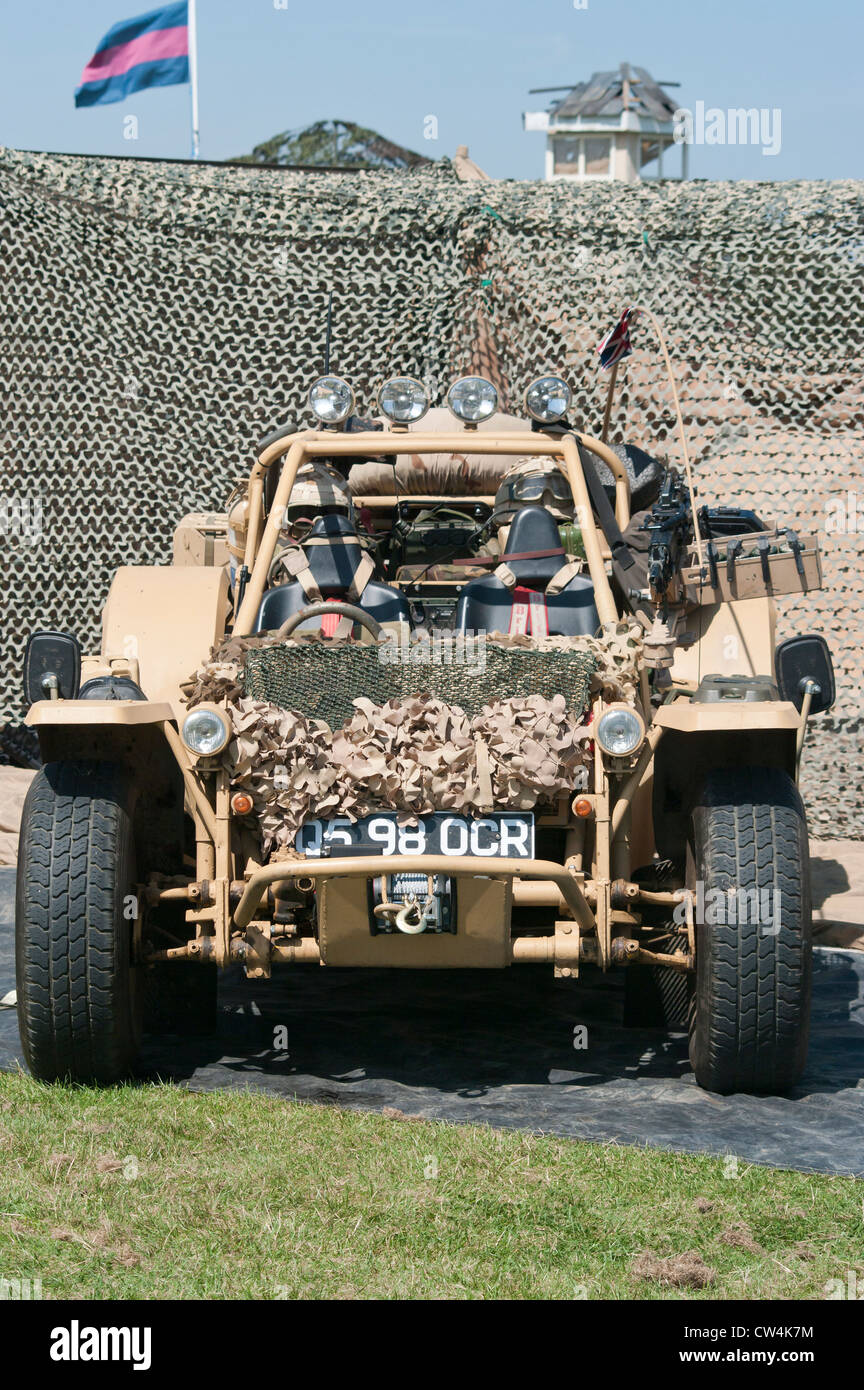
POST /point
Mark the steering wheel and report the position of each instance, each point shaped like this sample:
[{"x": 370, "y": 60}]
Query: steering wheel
[{"x": 318, "y": 610}]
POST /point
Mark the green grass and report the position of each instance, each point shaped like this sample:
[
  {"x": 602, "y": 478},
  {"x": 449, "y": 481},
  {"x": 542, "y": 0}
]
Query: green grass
[{"x": 240, "y": 1195}]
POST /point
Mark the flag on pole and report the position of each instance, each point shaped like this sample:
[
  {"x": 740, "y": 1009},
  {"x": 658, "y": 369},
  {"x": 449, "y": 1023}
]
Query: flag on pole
[
  {"x": 150, "y": 51},
  {"x": 616, "y": 345}
]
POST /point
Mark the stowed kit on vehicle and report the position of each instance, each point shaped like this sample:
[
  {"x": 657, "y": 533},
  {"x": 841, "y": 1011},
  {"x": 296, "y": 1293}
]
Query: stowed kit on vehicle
[{"x": 431, "y": 692}]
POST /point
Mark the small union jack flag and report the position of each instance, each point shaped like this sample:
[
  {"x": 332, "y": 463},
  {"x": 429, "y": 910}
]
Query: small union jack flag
[{"x": 616, "y": 345}]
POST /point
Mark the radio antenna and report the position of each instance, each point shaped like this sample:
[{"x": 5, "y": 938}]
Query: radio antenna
[{"x": 329, "y": 334}]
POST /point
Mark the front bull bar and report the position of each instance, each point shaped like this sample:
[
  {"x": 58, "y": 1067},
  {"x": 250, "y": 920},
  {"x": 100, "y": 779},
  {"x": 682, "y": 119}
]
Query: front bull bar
[{"x": 367, "y": 866}]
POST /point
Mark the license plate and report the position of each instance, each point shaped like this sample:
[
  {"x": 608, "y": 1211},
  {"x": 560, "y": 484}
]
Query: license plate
[{"x": 496, "y": 836}]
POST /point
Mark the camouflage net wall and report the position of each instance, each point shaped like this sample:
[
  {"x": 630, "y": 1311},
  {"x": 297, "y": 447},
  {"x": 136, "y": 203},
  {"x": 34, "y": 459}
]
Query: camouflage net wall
[{"x": 158, "y": 318}]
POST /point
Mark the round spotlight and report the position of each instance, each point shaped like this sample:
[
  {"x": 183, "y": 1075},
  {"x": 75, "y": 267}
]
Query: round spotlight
[
  {"x": 620, "y": 731},
  {"x": 403, "y": 400},
  {"x": 331, "y": 400},
  {"x": 548, "y": 399},
  {"x": 205, "y": 731},
  {"x": 472, "y": 399}
]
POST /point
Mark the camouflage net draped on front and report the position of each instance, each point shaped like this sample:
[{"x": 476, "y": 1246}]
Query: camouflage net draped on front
[
  {"x": 412, "y": 756},
  {"x": 322, "y": 680},
  {"x": 606, "y": 665},
  {"x": 413, "y": 752}
]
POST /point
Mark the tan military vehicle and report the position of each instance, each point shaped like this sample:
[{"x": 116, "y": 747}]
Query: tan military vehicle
[{"x": 486, "y": 693}]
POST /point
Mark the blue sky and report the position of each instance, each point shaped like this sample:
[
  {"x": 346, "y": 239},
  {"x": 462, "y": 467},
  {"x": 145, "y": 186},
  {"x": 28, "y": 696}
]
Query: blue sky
[{"x": 390, "y": 64}]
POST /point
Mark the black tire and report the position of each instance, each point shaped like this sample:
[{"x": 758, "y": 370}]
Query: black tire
[
  {"x": 750, "y": 1013},
  {"x": 78, "y": 1008}
]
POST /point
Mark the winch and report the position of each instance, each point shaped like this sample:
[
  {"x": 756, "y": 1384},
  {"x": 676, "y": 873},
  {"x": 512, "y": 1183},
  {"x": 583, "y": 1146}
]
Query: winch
[{"x": 412, "y": 903}]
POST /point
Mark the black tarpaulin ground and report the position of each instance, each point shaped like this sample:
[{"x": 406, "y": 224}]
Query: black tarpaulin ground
[{"x": 497, "y": 1048}]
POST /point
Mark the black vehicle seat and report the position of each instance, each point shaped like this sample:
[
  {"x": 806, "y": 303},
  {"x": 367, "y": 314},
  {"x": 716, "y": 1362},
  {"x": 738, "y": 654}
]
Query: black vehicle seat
[
  {"x": 330, "y": 564},
  {"x": 534, "y": 594}
]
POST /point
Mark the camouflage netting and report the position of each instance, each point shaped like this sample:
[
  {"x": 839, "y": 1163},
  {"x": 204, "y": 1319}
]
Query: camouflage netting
[
  {"x": 320, "y": 678},
  {"x": 408, "y": 749},
  {"x": 411, "y": 755},
  {"x": 158, "y": 318},
  {"x": 322, "y": 682}
]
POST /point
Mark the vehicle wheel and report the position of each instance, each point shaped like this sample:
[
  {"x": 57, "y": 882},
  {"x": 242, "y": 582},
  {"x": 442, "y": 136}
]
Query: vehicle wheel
[
  {"x": 750, "y": 1013},
  {"x": 74, "y": 916}
]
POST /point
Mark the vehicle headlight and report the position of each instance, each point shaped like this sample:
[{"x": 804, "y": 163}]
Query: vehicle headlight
[
  {"x": 472, "y": 399},
  {"x": 403, "y": 399},
  {"x": 331, "y": 399},
  {"x": 620, "y": 731},
  {"x": 205, "y": 731},
  {"x": 548, "y": 399}
]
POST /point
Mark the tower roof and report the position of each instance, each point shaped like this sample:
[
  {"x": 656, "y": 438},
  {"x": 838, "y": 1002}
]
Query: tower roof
[{"x": 610, "y": 93}]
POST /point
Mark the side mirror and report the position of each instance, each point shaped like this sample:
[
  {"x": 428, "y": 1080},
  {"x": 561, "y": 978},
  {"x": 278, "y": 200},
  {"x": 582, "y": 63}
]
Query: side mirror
[
  {"x": 52, "y": 667},
  {"x": 800, "y": 660}
]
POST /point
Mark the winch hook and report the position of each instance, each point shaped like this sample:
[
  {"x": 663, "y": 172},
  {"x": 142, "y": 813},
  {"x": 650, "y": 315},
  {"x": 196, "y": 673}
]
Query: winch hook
[{"x": 409, "y": 918}]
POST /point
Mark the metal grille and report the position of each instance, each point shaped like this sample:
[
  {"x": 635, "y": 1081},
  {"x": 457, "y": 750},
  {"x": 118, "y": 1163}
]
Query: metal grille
[{"x": 158, "y": 318}]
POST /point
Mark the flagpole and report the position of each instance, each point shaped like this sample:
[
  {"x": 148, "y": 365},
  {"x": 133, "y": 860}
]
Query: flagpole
[{"x": 193, "y": 74}]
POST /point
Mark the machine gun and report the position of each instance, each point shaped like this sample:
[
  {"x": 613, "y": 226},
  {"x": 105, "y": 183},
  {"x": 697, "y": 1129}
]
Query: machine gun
[{"x": 670, "y": 526}]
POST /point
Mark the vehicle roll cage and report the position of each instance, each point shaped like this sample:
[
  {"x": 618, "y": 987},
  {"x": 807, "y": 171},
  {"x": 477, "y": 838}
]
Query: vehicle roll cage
[{"x": 307, "y": 445}]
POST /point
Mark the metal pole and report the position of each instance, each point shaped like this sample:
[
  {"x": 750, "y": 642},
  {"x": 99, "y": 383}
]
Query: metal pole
[
  {"x": 193, "y": 75},
  {"x": 607, "y": 414},
  {"x": 810, "y": 689},
  {"x": 328, "y": 334}
]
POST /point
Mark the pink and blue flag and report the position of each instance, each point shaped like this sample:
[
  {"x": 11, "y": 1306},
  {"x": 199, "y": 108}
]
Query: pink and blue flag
[{"x": 150, "y": 51}]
